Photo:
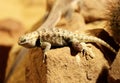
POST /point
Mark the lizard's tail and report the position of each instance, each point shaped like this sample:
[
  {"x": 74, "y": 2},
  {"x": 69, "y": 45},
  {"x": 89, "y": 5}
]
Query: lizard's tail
[{"x": 97, "y": 40}]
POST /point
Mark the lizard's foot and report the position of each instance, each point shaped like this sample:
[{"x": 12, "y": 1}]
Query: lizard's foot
[
  {"x": 82, "y": 48},
  {"x": 86, "y": 51}
]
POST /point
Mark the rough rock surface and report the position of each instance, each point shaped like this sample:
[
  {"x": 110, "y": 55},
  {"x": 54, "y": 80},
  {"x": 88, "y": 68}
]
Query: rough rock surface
[
  {"x": 114, "y": 72},
  {"x": 62, "y": 67},
  {"x": 95, "y": 13}
]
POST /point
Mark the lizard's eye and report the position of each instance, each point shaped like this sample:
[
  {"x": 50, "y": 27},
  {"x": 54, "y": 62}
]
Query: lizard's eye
[
  {"x": 38, "y": 42},
  {"x": 22, "y": 40}
]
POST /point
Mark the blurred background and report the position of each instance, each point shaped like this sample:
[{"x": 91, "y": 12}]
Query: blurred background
[{"x": 16, "y": 17}]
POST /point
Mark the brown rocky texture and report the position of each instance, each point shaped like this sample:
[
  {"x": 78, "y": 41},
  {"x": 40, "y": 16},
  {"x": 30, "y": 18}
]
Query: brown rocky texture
[
  {"x": 62, "y": 67},
  {"x": 114, "y": 72},
  {"x": 35, "y": 71},
  {"x": 50, "y": 4},
  {"x": 93, "y": 10},
  {"x": 115, "y": 34},
  {"x": 104, "y": 35},
  {"x": 73, "y": 23},
  {"x": 113, "y": 18}
]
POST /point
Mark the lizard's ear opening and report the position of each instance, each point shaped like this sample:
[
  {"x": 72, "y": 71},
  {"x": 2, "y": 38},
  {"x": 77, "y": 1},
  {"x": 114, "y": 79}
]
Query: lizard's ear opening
[{"x": 38, "y": 43}]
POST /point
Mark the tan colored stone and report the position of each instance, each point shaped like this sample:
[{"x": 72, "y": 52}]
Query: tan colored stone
[
  {"x": 62, "y": 67},
  {"x": 73, "y": 23},
  {"x": 93, "y": 10},
  {"x": 114, "y": 72}
]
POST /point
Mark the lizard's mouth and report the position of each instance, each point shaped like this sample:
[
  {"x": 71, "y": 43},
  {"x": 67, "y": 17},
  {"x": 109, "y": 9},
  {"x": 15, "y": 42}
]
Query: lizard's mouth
[
  {"x": 26, "y": 45},
  {"x": 22, "y": 41}
]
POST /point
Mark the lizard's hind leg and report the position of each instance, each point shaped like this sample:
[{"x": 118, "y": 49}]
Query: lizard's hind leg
[
  {"x": 87, "y": 51},
  {"x": 83, "y": 48}
]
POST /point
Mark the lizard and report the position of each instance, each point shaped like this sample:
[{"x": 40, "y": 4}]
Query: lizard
[{"x": 55, "y": 37}]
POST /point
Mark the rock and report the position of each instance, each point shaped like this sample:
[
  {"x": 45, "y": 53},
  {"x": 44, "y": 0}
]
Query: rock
[
  {"x": 50, "y": 4},
  {"x": 35, "y": 69},
  {"x": 115, "y": 33},
  {"x": 62, "y": 67},
  {"x": 73, "y": 23},
  {"x": 93, "y": 10},
  {"x": 104, "y": 35},
  {"x": 114, "y": 72}
]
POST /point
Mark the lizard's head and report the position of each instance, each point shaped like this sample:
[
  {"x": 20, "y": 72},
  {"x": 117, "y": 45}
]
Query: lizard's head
[{"x": 29, "y": 40}]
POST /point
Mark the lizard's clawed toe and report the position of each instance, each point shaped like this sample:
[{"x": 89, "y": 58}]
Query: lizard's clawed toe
[{"x": 86, "y": 51}]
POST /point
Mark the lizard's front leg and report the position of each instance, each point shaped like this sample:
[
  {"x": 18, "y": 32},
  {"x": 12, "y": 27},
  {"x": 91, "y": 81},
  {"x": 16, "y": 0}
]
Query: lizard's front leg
[
  {"x": 45, "y": 46},
  {"x": 82, "y": 47}
]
